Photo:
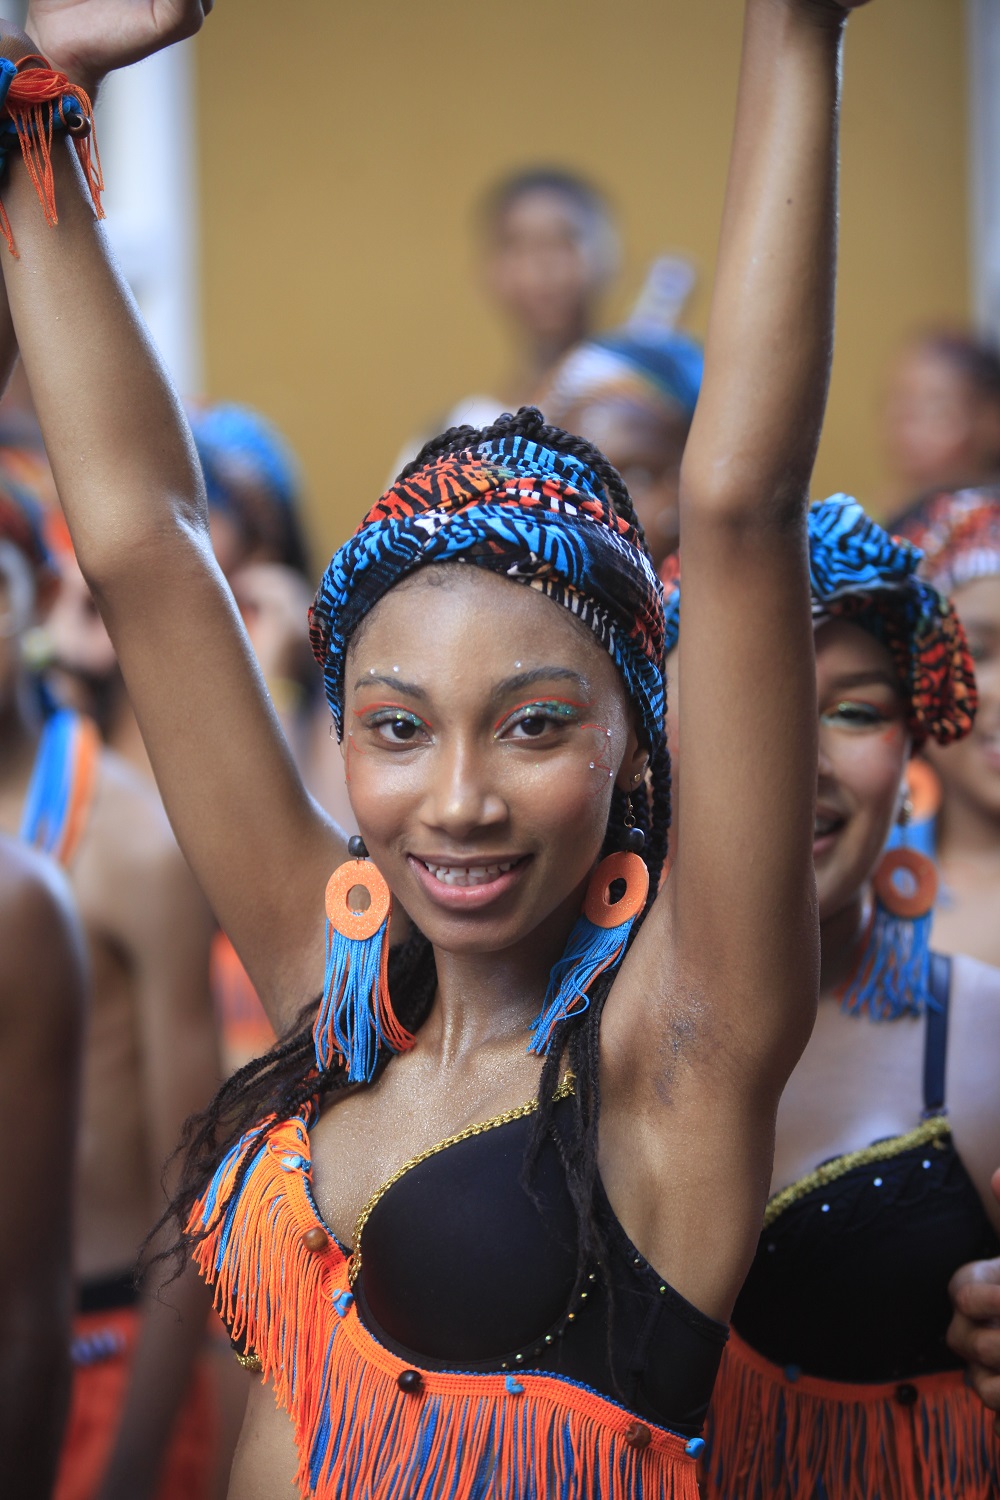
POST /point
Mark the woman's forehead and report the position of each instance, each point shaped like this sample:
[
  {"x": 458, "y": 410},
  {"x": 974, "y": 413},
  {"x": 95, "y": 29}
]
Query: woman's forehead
[
  {"x": 460, "y": 615},
  {"x": 843, "y": 645}
]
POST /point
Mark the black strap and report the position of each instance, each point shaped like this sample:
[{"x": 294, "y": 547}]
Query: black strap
[{"x": 936, "y": 1033}]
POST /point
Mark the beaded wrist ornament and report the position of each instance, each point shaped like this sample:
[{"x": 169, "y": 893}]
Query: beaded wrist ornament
[{"x": 36, "y": 105}]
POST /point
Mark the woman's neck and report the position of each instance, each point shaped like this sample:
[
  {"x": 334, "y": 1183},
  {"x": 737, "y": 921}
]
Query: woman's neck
[
  {"x": 485, "y": 1000},
  {"x": 841, "y": 936}
]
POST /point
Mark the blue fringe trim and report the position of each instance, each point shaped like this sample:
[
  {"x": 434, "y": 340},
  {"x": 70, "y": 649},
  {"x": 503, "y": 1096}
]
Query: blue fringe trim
[{"x": 589, "y": 950}]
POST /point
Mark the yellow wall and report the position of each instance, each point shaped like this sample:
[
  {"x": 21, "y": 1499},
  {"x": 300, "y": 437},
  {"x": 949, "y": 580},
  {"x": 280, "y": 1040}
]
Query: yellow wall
[{"x": 343, "y": 144}]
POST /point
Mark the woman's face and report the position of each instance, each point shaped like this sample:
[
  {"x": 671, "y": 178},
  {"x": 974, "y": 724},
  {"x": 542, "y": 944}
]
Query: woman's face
[
  {"x": 646, "y": 447},
  {"x": 543, "y": 268},
  {"x": 484, "y": 730},
  {"x": 970, "y": 770},
  {"x": 864, "y": 745}
]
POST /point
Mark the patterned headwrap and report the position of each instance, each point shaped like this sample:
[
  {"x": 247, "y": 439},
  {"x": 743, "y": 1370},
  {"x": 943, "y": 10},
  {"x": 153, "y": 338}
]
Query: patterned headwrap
[
  {"x": 524, "y": 511},
  {"x": 642, "y": 365},
  {"x": 959, "y": 535},
  {"x": 858, "y": 572}
]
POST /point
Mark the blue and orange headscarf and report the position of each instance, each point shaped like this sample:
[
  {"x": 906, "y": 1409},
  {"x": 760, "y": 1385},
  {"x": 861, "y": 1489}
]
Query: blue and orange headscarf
[
  {"x": 526, "y": 512},
  {"x": 859, "y": 572},
  {"x": 959, "y": 535}
]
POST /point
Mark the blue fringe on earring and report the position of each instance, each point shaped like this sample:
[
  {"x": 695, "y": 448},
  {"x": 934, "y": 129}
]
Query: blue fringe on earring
[
  {"x": 589, "y": 952},
  {"x": 596, "y": 942},
  {"x": 892, "y": 976},
  {"x": 355, "y": 1018}
]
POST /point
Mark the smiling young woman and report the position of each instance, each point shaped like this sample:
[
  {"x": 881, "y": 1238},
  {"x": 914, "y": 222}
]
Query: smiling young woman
[
  {"x": 837, "y": 1380},
  {"x": 481, "y": 1214}
]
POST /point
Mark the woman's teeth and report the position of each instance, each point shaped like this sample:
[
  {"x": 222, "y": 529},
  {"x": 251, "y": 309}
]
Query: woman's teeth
[{"x": 468, "y": 874}]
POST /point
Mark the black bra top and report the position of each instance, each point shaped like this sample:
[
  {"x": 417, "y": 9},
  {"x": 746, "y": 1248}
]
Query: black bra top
[
  {"x": 462, "y": 1269},
  {"x": 850, "y": 1279}
]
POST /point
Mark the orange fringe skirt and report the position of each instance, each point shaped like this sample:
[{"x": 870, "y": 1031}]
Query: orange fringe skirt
[{"x": 777, "y": 1435}]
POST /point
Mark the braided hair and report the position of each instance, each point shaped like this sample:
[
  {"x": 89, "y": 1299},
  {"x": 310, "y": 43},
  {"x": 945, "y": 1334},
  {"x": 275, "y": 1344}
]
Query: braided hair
[{"x": 284, "y": 1079}]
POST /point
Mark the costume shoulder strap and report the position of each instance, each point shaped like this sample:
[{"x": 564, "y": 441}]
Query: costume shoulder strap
[
  {"x": 936, "y": 1033},
  {"x": 62, "y": 785}
]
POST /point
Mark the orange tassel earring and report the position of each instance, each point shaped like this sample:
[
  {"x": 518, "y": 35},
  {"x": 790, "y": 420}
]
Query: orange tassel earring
[{"x": 355, "y": 1018}]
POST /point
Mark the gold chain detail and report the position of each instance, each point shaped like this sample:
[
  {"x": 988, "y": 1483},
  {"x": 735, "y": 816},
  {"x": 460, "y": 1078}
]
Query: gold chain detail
[
  {"x": 565, "y": 1089},
  {"x": 248, "y": 1362},
  {"x": 930, "y": 1132}
]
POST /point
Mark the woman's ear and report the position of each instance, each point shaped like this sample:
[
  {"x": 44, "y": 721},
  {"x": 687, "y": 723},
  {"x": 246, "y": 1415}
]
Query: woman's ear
[{"x": 633, "y": 766}]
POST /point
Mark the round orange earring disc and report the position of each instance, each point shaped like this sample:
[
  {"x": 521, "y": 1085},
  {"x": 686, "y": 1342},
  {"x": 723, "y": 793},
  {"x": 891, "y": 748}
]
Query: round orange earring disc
[
  {"x": 343, "y": 918},
  {"x": 906, "y": 883},
  {"x": 628, "y": 867}
]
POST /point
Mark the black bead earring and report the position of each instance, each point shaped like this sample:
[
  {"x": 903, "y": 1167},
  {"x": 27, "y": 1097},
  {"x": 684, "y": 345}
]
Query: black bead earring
[{"x": 635, "y": 840}]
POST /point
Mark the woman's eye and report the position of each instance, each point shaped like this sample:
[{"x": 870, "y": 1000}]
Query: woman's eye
[
  {"x": 397, "y": 728},
  {"x": 857, "y": 715},
  {"x": 537, "y": 719},
  {"x": 533, "y": 725}
]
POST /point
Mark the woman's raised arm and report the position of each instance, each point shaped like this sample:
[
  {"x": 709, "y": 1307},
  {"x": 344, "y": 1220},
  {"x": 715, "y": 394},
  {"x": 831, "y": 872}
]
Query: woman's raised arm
[
  {"x": 737, "y": 916},
  {"x": 131, "y": 488}
]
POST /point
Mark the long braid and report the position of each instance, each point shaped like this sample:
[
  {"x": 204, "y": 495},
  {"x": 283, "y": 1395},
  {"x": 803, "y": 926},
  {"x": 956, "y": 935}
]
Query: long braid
[{"x": 284, "y": 1079}]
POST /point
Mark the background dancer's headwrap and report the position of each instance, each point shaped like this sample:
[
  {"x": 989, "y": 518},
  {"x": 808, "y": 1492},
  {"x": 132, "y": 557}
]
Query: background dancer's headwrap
[
  {"x": 252, "y": 475},
  {"x": 858, "y": 572},
  {"x": 522, "y": 510},
  {"x": 959, "y": 536},
  {"x": 646, "y": 365}
]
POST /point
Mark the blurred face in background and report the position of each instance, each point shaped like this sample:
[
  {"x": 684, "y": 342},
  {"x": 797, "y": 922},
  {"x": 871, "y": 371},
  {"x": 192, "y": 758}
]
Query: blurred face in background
[
  {"x": 645, "y": 442},
  {"x": 83, "y": 658},
  {"x": 970, "y": 770},
  {"x": 545, "y": 266},
  {"x": 941, "y": 432}
]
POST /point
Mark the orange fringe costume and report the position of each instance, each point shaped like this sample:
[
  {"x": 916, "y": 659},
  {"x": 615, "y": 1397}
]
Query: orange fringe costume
[
  {"x": 367, "y": 1424},
  {"x": 777, "y": 1435}
]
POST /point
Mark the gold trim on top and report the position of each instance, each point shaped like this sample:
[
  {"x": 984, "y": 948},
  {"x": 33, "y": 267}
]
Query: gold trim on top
[
  {"x": 929, "y": 1132},
  {"x": 566, "y": 1088}
]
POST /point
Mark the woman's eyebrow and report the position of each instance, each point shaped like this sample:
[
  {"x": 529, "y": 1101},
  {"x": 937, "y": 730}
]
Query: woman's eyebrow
[
  {"x": 373, "y": 679},
  {"x": 860, "y": 679},
  {"x": 540, "y": 674}
]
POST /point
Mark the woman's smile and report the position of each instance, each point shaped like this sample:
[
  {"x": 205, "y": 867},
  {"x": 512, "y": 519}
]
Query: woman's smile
[{"x": 467, "y": 884}]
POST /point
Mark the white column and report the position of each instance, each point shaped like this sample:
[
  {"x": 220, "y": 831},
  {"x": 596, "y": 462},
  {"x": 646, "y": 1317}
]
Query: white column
[
  {"x": 983, "y": 24},
  {"x": 146, "y": 133}
]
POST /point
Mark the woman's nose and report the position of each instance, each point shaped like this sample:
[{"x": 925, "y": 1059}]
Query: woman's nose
[{"x": 464, "y": 795}]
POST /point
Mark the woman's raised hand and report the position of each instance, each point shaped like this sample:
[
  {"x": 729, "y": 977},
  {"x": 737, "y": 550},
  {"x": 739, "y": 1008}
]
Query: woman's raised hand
[{"x": 87, "y": 39}]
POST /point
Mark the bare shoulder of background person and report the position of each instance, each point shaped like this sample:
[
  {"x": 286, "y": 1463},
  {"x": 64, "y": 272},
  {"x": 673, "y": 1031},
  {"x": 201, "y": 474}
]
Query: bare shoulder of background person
[{"x": 42, "y": 992}]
